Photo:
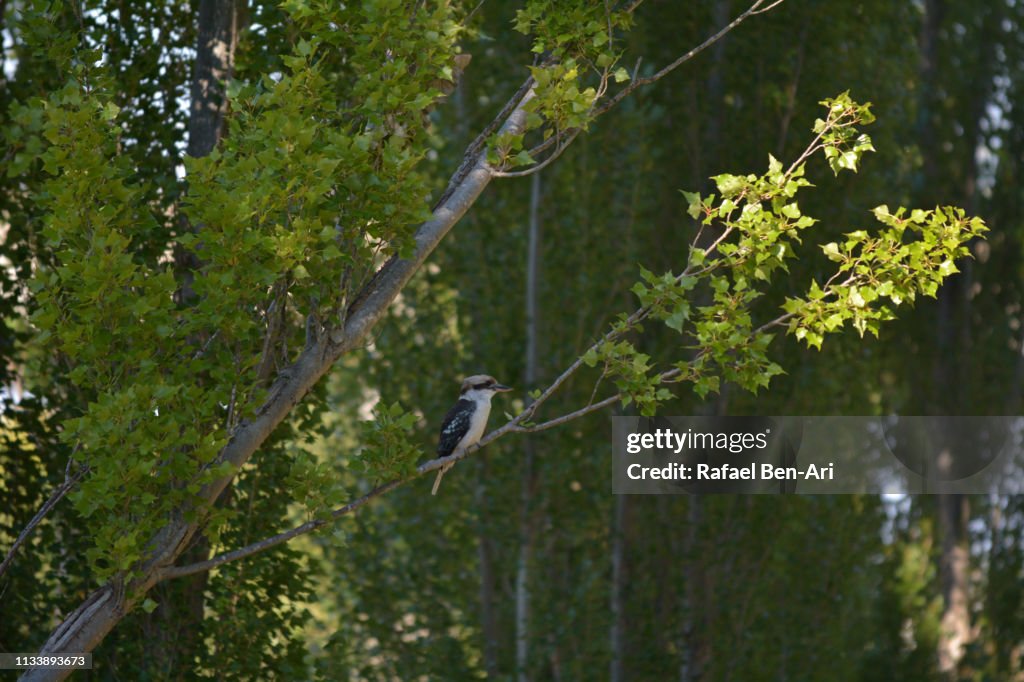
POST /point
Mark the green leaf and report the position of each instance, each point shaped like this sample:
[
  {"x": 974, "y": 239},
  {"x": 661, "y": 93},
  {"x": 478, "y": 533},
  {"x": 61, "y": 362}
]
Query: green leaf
[
  {"x": 832, "y": 251},
  {"x": 110, "y": 111},
  {"x": 729, "y": 185},
  {"x": 523, "y": 158},
  {"x": 791, "y": 211},
  {"x": 677, "y": 319},
  {"x": 855, "y": 298},
  {"x": 694, "y": 208}
]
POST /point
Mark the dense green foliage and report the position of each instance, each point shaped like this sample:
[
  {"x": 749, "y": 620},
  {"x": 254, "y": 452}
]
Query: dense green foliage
[{"x": 149, "y": 299}]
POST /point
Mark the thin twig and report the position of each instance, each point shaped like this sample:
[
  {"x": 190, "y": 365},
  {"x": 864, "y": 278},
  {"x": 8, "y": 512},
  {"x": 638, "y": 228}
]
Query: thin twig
[
  {"x": 625, "y": 92},
  {"x": 765, "y": 9},
  {"x": 540, "y": 166},
  {"x": 280, "y": 538},
  {"x": 55, "y": 497},
  {"x": 557, "y": 421},
  {"x": 469, "y": 17},
  {"x": 777, "y": 322},
  {"x": 206, "y": 346}
]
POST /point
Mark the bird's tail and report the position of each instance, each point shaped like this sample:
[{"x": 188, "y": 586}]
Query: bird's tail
[{"x": 440, "y": 475}]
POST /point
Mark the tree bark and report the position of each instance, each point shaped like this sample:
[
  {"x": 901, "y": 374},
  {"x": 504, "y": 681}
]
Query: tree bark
[
  {"x": 523, "y": 595},
  {"x": 216, "y": 41},
  {"x": 954, "y": 510},
  {"x": 716, "y": 81},
  {"x": 217, "y": 38}
]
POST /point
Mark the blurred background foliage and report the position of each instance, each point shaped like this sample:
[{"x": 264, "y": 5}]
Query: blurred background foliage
[{"x": 524, "y": 566}]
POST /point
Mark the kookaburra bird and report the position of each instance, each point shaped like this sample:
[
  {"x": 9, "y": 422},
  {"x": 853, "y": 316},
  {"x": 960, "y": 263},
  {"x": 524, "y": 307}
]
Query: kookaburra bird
[{"x": 465, "y": 423}]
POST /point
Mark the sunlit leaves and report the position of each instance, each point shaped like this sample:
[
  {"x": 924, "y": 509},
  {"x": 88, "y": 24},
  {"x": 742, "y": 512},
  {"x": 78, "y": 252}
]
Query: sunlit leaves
[
  {"x": 911, "y": 255},
  {"x": 841, "y": 142},
  {"x": 559, "y": 97},
  {"x": 754, "y": 225}
]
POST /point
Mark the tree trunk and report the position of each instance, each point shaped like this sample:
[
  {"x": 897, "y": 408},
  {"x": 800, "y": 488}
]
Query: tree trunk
[
  {"x": 217, "y": 37},
  {"x": 527, "y": 532},
  {"x": 715, "y": 81},
  {"x": 216, "y": 40},
  {"x": 523, "y": 596},
  {"x": 953, "y": 326},
  {"x": 618, "y": 625},
  {"x": 173, "y": 628},
  {"x": 485, "y": 552},
  {"x": 693, "y": 652},
  {"x": 955, "y": 627}
]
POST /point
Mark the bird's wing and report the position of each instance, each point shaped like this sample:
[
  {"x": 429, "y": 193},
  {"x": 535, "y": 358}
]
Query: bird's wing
[{"x": 454, "y": 427}]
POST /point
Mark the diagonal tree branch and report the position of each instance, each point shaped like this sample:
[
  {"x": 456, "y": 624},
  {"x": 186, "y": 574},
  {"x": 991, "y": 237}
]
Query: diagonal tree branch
[{"x": 280, "y": 538}]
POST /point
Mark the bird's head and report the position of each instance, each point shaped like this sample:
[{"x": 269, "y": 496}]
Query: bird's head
[{"x": 481, "y": 386}]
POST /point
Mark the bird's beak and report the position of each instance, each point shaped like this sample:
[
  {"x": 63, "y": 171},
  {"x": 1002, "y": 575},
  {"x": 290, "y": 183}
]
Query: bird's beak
[{"x": 501, "y": 388}]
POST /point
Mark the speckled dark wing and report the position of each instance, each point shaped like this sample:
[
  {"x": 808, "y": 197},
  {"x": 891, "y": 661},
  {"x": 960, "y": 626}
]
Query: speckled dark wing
[{"x": 456, "y": 424}]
